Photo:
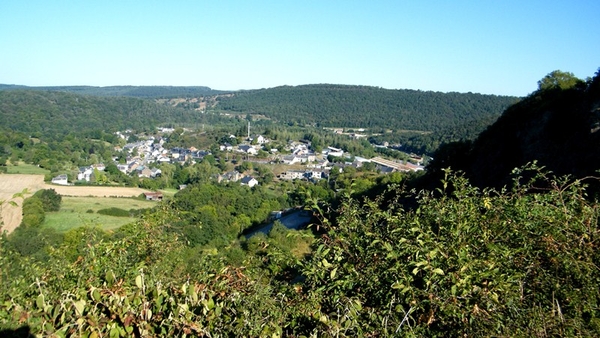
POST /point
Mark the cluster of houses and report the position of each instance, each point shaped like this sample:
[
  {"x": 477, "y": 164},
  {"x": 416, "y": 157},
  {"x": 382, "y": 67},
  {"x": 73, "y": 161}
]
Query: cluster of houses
[{"x": 142, "y": 157}]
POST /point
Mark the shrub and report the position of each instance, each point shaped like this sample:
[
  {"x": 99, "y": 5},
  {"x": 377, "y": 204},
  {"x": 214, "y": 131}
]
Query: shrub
[
  {"x": 33, "y": 212},
  {"x": 51, "y": 200},
  {"x": 117, "y": 212}
]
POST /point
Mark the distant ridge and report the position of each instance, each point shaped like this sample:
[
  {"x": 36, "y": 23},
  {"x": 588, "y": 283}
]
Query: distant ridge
[{"x": 129, "y": 91}]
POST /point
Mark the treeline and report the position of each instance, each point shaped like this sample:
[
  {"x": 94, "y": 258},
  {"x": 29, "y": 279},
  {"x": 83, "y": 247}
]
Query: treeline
[
  {"x": 46, "y": 113},
  {"x": 366, "y": 107},
  {"x": 558, "y": 126},
  {"x": 131, "y": 91}
]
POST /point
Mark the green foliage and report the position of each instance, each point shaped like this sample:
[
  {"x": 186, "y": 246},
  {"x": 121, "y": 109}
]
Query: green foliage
[
  {"x": 54, "y": 114},
  {"x": 455, "y": 262},
  {"x": 117, "y": 212},
  {"x": 559, "y": 80},
  {"x": 33, "y": 212},
  {"x": 472, "y": 262},
  {"x": 132, "y": 91},
  {"x": 418, "y": 120},
  {"x": 558, "y": 128},
  {"x": 50, "y": 199}
]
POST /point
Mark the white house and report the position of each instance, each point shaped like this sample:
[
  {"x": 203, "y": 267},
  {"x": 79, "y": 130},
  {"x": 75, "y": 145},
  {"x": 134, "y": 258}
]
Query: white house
[
  {"x": 249, "y": 181},
  {"x": 61, "y": 180},
  {"x": 85, "y": 174},
  {"x": 248, "y": 149}
]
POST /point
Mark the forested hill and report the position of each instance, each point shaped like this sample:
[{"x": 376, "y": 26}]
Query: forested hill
[
  {"x": 558, "y": 126},
  {"x": 367, "y": 107},
  {"x": 131, "y": 91},
  {"x": 51, "y": 113}
]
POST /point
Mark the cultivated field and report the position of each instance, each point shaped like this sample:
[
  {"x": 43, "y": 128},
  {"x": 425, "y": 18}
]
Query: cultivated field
[
  {"x": 83, "y": 211},
  {"x": 11, "y": 206},
  {"x": 11, "y": 184}
]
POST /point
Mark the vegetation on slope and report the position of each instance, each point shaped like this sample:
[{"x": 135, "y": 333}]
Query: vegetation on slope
[
  {"x": 475, "y": 262},
  {"x": 449, "y": 116},
  {"x": 557, "y": 126},
  {"x": 57, "y": 113},
  {"x": 131, "y": 91}
]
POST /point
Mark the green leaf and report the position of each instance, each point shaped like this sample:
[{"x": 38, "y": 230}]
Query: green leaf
[
  {"x": 332, "y": 273},
  {"x": 40, "y": 302},
  {"x": 138, "y": 281},
  {"x": 210, "y": 304},
  {"x": 109, "y": 277},
  {"x": 95, "y": 295},
  {"x": 79, "y": 307},
  {"x": 438, "y": 271}
]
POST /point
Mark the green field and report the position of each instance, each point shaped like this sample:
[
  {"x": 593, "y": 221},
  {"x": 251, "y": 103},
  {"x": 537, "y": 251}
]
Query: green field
[
  {"x": 74, "y": 212},
  {"x": 28, "y": 169}
]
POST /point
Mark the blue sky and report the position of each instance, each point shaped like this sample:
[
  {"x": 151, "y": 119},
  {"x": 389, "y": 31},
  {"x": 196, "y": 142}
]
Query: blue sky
[{"x": 492, "y": 47}]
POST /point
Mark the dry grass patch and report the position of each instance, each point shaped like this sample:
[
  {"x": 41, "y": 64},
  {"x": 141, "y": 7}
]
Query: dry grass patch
[{"x": 13, "y": 189}]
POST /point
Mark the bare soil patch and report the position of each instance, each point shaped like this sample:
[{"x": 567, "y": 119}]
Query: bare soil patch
[{"x": 11, "y": 206}]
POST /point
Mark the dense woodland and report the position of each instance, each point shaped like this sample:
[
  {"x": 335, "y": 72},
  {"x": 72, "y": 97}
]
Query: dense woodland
[
  {"x": 420, "y": 120},
  {"x": 441, "y": 255},
  {"x": 130, "y": 91},
  {"x": 557, "y": 126}
]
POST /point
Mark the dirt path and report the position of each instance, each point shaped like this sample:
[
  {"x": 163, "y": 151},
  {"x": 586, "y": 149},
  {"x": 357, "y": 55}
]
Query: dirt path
[
  {"x": 26, "y": 185},
  {"x": 11, "y": 204}
]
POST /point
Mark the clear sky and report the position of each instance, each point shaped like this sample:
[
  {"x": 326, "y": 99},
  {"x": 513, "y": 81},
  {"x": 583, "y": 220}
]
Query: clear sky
[{"x": 495, "y": 47}]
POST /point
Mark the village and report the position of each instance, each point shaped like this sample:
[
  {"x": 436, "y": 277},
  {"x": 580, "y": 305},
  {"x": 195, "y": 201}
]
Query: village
[{"x": 144, "y": 157}]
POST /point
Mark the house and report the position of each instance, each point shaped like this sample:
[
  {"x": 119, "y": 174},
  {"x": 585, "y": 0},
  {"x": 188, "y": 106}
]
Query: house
[
  {"x": 155, "y": 172},
  {"x": 226, "y": 147},
  {"x": 61, "y": 180},
  {"x": 259, "y": 139},
  {"x": 248, "y": 149},
  {"x": 153, "y": 196},
  {"x": 122, "y": 168},
  {"x": 249, "y": 181},
  {"x": 144, "y": 172},
  {"x": 333, "y": 152},
  {"x": 85, "y": 174},
  {"x": 231, "y": 176},
  {"x": 99, "y": 166},
  {"x": 291, "y": 175}
]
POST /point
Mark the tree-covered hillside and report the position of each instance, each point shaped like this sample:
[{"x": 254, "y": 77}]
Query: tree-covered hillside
[
  {"x": 558, "y": 126},
  {"x": 366, "y": 107},
  {"x": 131, "y": 91},
  {"x": 56, "y": 113}
]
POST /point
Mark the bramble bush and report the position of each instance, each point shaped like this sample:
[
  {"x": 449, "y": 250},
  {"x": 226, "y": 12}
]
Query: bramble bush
[{"x": 461, "y": 262}]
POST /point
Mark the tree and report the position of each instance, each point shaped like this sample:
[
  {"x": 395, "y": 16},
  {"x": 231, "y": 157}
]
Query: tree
[
  {"x": 559, "y": 80},
  {"x": 50, "y": 199}
]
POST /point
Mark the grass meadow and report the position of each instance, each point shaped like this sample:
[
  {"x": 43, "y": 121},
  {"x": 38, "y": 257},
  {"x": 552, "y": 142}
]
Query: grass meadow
[
  {"x": 28, "y": 169},
  {"x": 82, "y": 211}
]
